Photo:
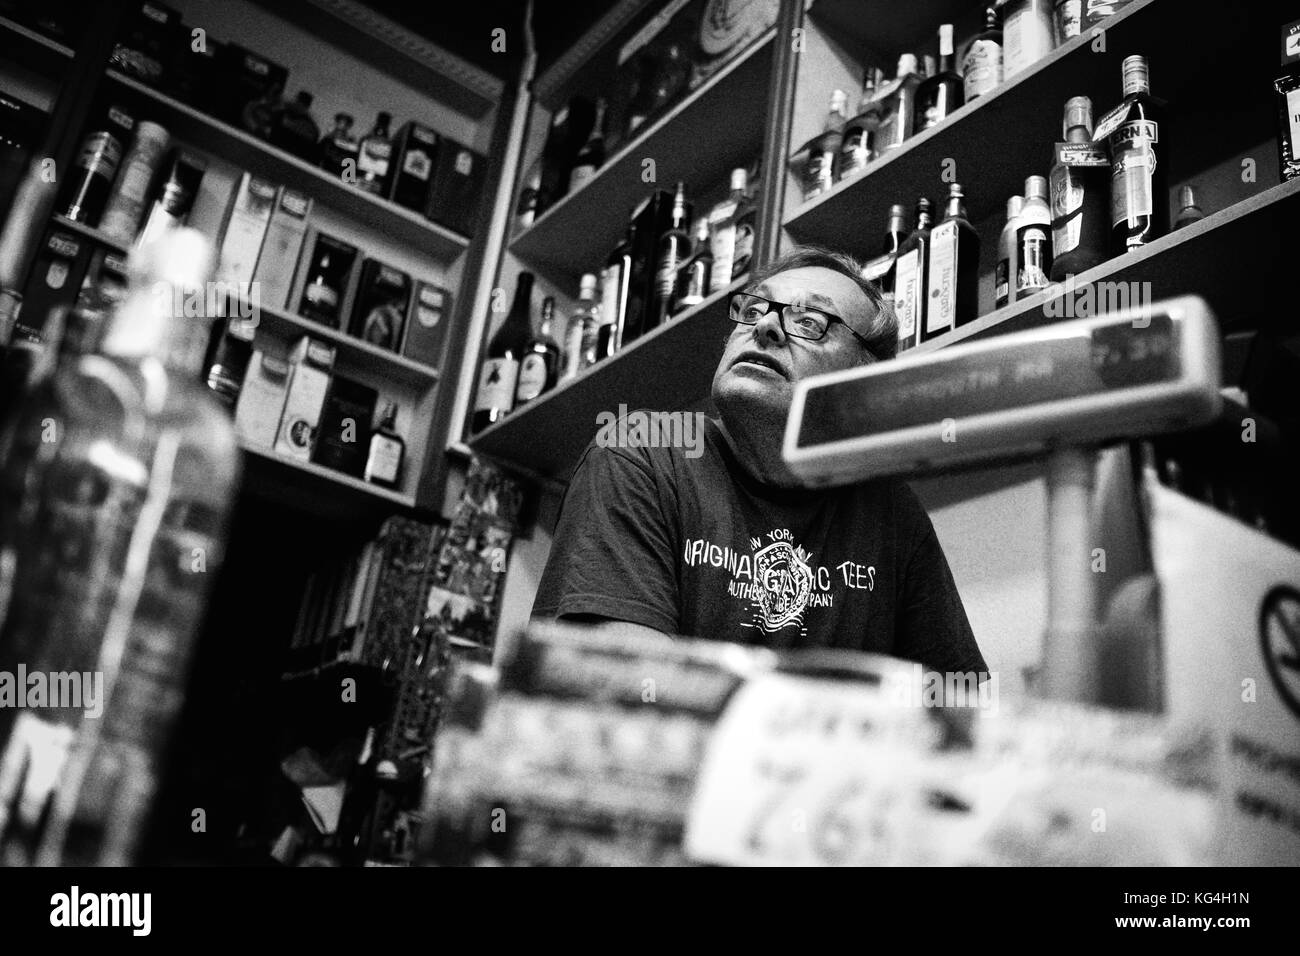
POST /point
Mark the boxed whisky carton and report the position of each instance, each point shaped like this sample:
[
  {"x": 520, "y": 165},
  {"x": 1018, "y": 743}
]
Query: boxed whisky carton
[
  {"x": 426, "y": 326},
  {"x": 457, "y": 187},
  {"x": 282, "y": 247},
  {"x": 383, "y": 294},
  {"x": 414, "y": 151},
  {"x": 324, "y": 280},
  {"x": 309, "y": 382},
  {"x": 261, "y": 399},
  {"x": 344, "y": 433},
  {"x": 246, "y": 223}
]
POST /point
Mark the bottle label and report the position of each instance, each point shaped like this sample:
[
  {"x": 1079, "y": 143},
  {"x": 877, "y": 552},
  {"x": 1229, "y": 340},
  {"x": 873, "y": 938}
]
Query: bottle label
[
  {"x": 1082, "y": 154},
  {"x": 416, "y": 163},
  {"x": 1133, "y": 167},
  {"x": 666, "y": 276},
  {"x": 744, "y": 250},
  {"x": 855, "y": 154},
  {"x": 1293, "y": 117},
  {"x": 321, "y": 296},
  {"x": 1035, "y": 259},
  {"x": 496, "y": 388},
  {"x": 820, "y": 175},
  {"x": 1027, "y": 37},
  {"x": 609, "y": 283},
  {"x": 942, "y": 309},
  {"x": 385, "y": 459},
  {"x": 1002, "y": 283},
  {"x": 532, "y": 377},
  {"x": 722, "y": 244},
  {"x": 876, "y": 269},
  {"x": 1067, "y": 199},
  {"x": 100, "y": 154},
  {"x": 374, "y": 158},
  {"x": 906, "y": 294}
]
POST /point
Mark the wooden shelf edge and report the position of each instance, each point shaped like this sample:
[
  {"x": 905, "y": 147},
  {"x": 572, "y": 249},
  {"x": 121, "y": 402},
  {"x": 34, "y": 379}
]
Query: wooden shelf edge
[
  {"x": 329, "y": 474},
  {"x": 54, "y": 46},
  {"x": 94, "y": 235},
  {"x": 405, "y": 368}
]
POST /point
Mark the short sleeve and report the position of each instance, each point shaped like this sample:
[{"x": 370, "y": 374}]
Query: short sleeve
[
  {"x": 612, "y": 554},
  {"x": 932, "y": 626}
]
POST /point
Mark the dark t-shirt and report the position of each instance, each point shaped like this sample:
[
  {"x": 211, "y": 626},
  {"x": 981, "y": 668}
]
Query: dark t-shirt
[{"x": 695, "y": 546}]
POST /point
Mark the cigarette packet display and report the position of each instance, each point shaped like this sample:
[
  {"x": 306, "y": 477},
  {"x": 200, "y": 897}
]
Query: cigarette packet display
[{"x": 309, "y": 383}]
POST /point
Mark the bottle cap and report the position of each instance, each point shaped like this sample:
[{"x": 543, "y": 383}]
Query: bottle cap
[
  {"x": 304, "y": 98},
  {"x": 739, "y": 179},
  {"x": 702, "y": 228},
  {"x": 345, "y": 118},
  {"x": 1014, "y": 205},
  {"x": 1186, "y": 196},
  {"x": 897, "y": 211},
  {"x": 945, "y": 39},
  {"x": 383, "y": 119},
  {"x": 1036, "y": 188},
  {"x": 1078, "y": 112},
  {"x": 587, "y": 284},
  {"x": 906, "y": 64},
  {"x": 839, "y": 101},
  {"x": 1137, "y": 77}
]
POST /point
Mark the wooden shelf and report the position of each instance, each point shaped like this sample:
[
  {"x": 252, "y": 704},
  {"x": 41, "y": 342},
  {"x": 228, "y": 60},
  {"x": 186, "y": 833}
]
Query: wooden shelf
[
  {"x": 210, "y": 134},
  {"x": 888, "y": 26},
  {"x": 94, "y": 235},
  {"x": 1234, "y": 259},
  {"x": 670, "y": 368},
  {"x": 38, "y": 39},
  {"x": 718, "y": 126},
  {"x": 994, "y": 142},
  {"x": 314, "y": 487}
]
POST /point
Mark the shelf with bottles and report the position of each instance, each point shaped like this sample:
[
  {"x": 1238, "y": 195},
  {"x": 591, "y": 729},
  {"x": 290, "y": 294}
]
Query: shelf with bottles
[
  {"x": 717, "y": 126},
  {"x": 667, "y": 369},
  {"x": 312, "y": 487},
  {"x": 11, "y": 29},
  {"x": 219, "y": 138}
]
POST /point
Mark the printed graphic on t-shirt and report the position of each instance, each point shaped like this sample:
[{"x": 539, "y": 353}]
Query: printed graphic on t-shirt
[{"x": 779, "y": 580}]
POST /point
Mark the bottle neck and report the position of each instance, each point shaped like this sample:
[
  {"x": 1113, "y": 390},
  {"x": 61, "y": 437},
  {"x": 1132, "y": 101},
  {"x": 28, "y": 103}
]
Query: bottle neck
[
  {"x": 154, "y": 322},
  {"x": 1078, "y": 134},
  {"x": 955, "y": 210}
]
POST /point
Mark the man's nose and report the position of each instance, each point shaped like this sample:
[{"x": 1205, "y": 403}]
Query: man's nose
[{"x": 768, "y": 328}]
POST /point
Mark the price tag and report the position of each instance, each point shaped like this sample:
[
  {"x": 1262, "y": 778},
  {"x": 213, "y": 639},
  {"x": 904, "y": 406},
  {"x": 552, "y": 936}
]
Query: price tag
[
  {"x": 1110, "y": 122},
  {"x": 805, "y": 772}
]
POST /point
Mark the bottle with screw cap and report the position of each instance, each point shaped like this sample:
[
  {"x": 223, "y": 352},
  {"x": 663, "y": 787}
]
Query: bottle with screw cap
[
  {"x": 731, "y": 233},
  {"x": 1080, "y": 195},
  {"x": 374, "y": 160},
  {"x": 880, "y": 270},
  {"x": 898, "y": 106},
  {"x": 910, "y": 282},
  {"x": 954, "y": 277},
  {"x": 1034, "y": 239},
  {"x": 819, "y": 170},
  {"x": 1139, "y": 200},
  {"x": 941, "y": 93},
  {"x": 387, "y": 452},
  {"x": 581, "y": 328},
  {"x": 1004, "y": 276},
  {"x": 1188, "y": 210},
  {"x": 981, "y": 67},
  {"x": 540, "y": 366}
]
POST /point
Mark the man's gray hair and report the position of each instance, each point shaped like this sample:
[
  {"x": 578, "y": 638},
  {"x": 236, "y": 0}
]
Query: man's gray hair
[{"x": 882, "y": 327}]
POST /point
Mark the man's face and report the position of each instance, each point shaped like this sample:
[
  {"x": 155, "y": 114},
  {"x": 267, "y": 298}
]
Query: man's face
[{"x": 760, "y": 363}]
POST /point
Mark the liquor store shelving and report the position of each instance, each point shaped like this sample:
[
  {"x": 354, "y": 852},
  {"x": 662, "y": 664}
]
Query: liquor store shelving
[
  {"x": 35, "y": 40},
  {"x": 328, "y": 493}
]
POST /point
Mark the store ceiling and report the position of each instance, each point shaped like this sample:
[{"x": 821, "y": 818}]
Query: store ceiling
[{"x": 465, "y": 28}]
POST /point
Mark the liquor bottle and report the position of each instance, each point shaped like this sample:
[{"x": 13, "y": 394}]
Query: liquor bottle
[
  {"x": 387, "y": 451},
  {"x": 540, "y": 366},
  {"x": 672, "y": 249},
  {"x": 580, "y": 330},
  {"x": 939, "y": 95},
  {"x": 95, "y": 167},
  {"x": 1026, "y": 34},
  {"x": 339, "y": 148},
  {"x": 110, "y": 588},
  {"x": 1286, "y": 94},
  {"x": 592, "y": 155},
  {"x": 981, "y": 67},
  {"x": 1188, "y": 211},
  {"x": 1138, "y": 197},
  {"x": 898, "y": 106},
  {"x": 954, "y": 277},
  {"x": 694, "y": 276},
  {"x": 175, "y": 198},
  {"x": 858, "y": 149},
  {"x": 614, "y": 282},
  {"x": 641, "y": 105},
  {"x": 880, "y": 270},
  {"x": 500, "y": 372},
  {"x": 375, "y": 157},
  {"x": 294, "y": 129},
  {"x": 125, "y": 208},
  {"x": 230, "y": 352},
  {"x": 731, "y": 233},
  {"x": 1034, "y": 239},
  {"x": 650, "y": 219},
  {"x": 1004, "y": 276},
  {"x": 911, "y": 278},
  {"x": 1080, "y": 187},
  {"x": 819, "y": 170},
  {"x": 529, "y": 199}
]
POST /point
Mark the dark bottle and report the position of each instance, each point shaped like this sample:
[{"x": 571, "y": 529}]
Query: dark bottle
[
  {"x": 95, "y": 167},
  {"x": 327, "y": 279},
  {"x": 339, "y": 148},
  {"x": 819, "y": 167},
  {"x": 981, "y": 67},
  {"x": 1139, "y": 201},
  {"x": 1188, "y": 211},
  {"x": 939, "y": 95},
  {"x": 911, "y": 275},
  {"x": 540, "y": 365},
  {"x": 642, "y": 103},
  {"x": 614, "y": 282},
  {"x": 500, "y": 372},
  {"x": 880, "y": 270},
  {"x": 387, "y": 452},
  {"x": 375, "y": 158},
  {"x": 954, "y": 278},
  {"x": 693, "y": 278},
  {"x": 1034, "y": 239},
  {"x": 858, "y": 147},
  {"x": 671, "y": 77},
  {"x": 592, "y": 155},
  {"x": 1080, "y": 187},
  {"x": 229, "y": 355},
  {"x": 672, "y": 249},
  {"x": 295, "y": 131}
]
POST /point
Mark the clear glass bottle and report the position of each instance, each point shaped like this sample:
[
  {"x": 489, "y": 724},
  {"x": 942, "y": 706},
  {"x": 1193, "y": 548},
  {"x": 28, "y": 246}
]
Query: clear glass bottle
[
  {"x": 731, "y": 233},
  {"x": 117, "y": 487},
  {"x": 581, "y": 329},
  {"x": 898, "y": 106},
  {"x": 819, "y": 169},
  {"x": 981, "y": 66},
  {"x": 1034, "y": 239},
  {"x": 1004, "y": 276},
  {"x": 693, "y": 277}
]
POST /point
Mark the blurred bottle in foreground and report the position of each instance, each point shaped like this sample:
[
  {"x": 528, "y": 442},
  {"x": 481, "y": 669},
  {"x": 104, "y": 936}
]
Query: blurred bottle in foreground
[{"x": 116, "y": 487}]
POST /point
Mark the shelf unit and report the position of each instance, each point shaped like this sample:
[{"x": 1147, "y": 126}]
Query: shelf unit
[
  {"x": 33, "y": 38},
  {"x": 331, "y": 479}
]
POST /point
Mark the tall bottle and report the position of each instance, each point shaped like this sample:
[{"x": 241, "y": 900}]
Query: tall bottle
[
  {"x": 1080, "y": 187},
  {"x": 911, "y": 278},
  {"x": 1004, "y": 275},
  {"x": 858, "y": 147},
  {"x": 731, "y": 233},
  {"x": 592, "y": 154},
  {"x": 1188, "y": 209},
  {"x": 954, "y": 277},
  {"x": 375, "y": 159},
  {"x": 981, "y": 67},
  {"x": 898, "y": 106},
  {"x": 1139, "y": 200},
  {"x": 110, "y": 586},
  {"x": 939, "y": 95},
  {"x": 819, "y": 169},
  {"x": 540, "y": 367},
  {"x": 500, "y": 372},
  {"x": 338, "y": 146},
  {"x": 1034, "y": 239},
  {"x": 86, "y": 191},
  {"x": 694, "y": 276},
  {"x": 614, "y": 282},
  {"x": 880, "y": 270},
  {"x": 672, "y": 249},
  {"x": 580, "y": 333}
]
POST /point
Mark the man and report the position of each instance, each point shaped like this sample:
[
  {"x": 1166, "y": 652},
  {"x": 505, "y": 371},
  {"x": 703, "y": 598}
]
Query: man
[{"x": 726, "y": 544}]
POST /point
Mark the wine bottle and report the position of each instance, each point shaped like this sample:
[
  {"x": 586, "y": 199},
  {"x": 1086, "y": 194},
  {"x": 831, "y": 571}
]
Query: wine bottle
[
  {"x": 614, "y": 283},
  {"x": 898, "y": 106},
  {"x": 540, "y": 366},
  {"x": 375, "y": 157},
  {"x": 910, "y": 283},
  {"x": 592, "y": 154},
  {"x": 858, "y": 147},
  {"x": 580, "y": 332},
  {"x": 954, "y": 270},
  {"x": 1034, "y": 239},
  {"x": 939, "y": 95},
  {"x": 1080, "y": 187},
  {"x": 672, "y": 249},
  {"x": 819, "y": 169},
  {"x": 500, "y": 372},
  {"x": 1139, "y": 200},
  {"x": 694, "y": 275},
  {"x": 881, "y": 270},
  {"x": 981, "y": 67}
]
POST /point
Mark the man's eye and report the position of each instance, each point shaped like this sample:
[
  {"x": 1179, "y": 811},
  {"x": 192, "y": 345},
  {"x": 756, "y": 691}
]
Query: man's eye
[
  {"x": 808, "y": 320},
  {"x": 753, "y": 313}
]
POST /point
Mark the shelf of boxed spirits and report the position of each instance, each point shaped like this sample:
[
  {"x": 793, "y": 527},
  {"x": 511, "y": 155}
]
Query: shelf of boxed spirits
[
  {"x": 993, "y": 143},
  {"x": 1232, "y": 258},
  {"x": 212, "y": 135},
  {"x": 312, "y": 487},
  {"x": 284, "y": 324},
  {"x": 34, "y": 38},
  {"x": 716, "y": 127},
  {"x": 667, "y": 369}
]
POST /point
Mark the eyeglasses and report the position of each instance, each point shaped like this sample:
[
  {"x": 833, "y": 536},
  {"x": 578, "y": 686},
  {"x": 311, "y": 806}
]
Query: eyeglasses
[{"x": 797, "y": 321}]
